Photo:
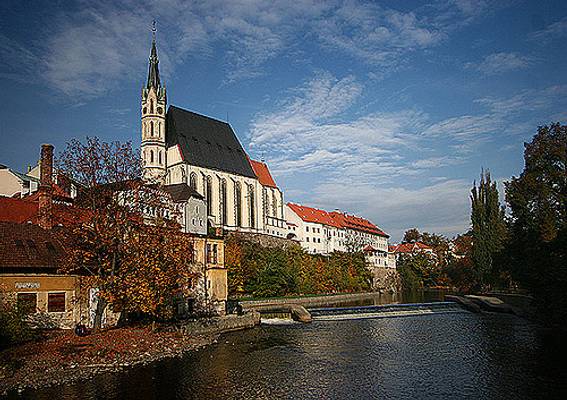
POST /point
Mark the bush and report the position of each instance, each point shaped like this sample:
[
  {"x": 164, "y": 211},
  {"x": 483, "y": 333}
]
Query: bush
[{"x": 14, "y": 328}]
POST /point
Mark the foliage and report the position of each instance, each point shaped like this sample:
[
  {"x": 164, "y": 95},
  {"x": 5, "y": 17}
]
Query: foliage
[
  {"x": 538, "y": 227},
  {"x": 14, "y": 328},
  {"x": 439, "y": 243},
  {"x": 488, "y": 230},
  {"x": 411, "y": 236},
  {"x": 137, "y": 260},
  {"x": 275, "y": 271},
  {"x": 418, "y": 270},
  {"x": 459, "y": 269}
]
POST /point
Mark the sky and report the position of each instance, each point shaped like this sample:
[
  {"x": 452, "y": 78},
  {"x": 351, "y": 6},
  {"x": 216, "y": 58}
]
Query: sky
[{"x": 385, "y": 109}]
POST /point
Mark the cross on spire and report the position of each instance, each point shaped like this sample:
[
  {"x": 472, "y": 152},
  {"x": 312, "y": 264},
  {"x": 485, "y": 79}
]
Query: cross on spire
[{"x": 153, "y": 72}]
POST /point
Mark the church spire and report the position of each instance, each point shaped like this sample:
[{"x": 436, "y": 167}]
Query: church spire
[{"x": 153, "y": 73}]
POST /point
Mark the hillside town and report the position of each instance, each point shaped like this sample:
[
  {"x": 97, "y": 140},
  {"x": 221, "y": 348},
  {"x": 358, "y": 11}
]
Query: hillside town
[
  {"x": 190, "y": 268},
  {"x": 211, "y": 187}
]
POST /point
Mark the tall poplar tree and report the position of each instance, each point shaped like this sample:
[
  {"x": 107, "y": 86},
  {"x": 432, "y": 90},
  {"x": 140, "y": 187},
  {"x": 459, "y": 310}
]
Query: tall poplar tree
[{"x": 488, "y": 229}]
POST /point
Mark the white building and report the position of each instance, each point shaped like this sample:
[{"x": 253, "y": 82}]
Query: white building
[
  {"x": 180, "y": 146},
  {"x": 323, "y": 232},
  {"x": 15, "y": 184}
]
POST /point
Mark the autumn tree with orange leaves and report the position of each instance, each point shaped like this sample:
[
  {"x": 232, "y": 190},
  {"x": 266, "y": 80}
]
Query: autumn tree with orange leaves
[{"x": 129, "y": 246}]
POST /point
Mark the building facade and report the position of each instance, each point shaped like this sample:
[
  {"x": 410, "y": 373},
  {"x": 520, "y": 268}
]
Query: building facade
[
  {"x": 180, "y": 146},
  {"x": 322, "y": 232}
]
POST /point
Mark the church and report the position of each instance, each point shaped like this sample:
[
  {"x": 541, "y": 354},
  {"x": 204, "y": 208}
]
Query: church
[{"x": 182, "y": 147}]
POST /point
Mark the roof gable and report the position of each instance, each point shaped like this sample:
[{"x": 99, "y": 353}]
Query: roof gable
[
  {"x": 206, "y": 142},
  {"x": 263, "y": 173}
]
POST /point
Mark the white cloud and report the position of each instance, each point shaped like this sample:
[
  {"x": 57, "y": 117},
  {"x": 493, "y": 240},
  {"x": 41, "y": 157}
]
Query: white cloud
[
  {"x": 553, "y": 31},
  {"x": 86, "y": 52},
  {"x": 499, "y": 63},
  {"x": 440, "y": 207}
]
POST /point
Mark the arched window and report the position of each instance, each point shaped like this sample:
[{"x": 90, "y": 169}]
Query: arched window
[
  {"x": 151, "y": 128},
  {"x": 193, "y": 181},
  {"x": 222, "y": 201},
  {"x": 209, "y": 196},
  {"x": 251, "y": 207},
  {"x": 264, "y": 204},
  {"x": 237, "y": 204},
  {"x": 159, "y": 157},
  {"x": 274, "y": 204},
  {"x": 158, "y": 129},
  {"x": 151, "y": 156},
  {"x": 151, "y": 106}
]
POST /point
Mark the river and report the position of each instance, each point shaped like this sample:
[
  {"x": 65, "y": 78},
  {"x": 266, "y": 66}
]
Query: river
[{"x": 440, "y": 356}]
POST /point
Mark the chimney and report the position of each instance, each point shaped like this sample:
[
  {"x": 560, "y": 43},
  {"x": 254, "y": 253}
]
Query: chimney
[{"x": 45, "y": 187}]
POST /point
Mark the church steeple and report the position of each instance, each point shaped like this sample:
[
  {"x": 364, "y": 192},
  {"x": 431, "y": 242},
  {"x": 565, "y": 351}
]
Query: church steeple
[
  {"x": 153, "y": 72},
  {"x": 154, "y": 102}
]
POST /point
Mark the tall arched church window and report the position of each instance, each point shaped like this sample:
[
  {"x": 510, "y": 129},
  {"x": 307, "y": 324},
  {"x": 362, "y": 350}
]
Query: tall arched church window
[
  {"x": 151, "y": 156},
  {"x": 159, "y": 157},
  {"x": 251, "y": 207},
  {"x": 193, "y": 181},
  {"x": 209, "y": 196},
  {"x": 274, "y": 204},
  {"x": 237, "y": 204},
  {"x": 151, "y": 106},
  {"x": 151, "y": 128},
  {"x": 264, "y": 204},
  {"x": 222, "y": 198}
]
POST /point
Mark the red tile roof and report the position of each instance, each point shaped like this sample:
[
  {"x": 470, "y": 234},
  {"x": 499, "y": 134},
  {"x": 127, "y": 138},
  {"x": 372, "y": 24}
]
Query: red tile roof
[
  {"x": 310, "y": 214},
  {"x": 369, "y": 248},
  {"x": 357, "y": 223},
  {"x": 263, "y": 173},
  {"x": 411, "y": 247},
  {"x": 25, "y": 210},
  {"x": 28, "y": 246},
  {"x": 336, "y": 219}
]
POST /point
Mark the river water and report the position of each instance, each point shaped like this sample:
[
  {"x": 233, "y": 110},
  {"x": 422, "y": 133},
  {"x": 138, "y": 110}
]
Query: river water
[{"x": 439, "y": 356}]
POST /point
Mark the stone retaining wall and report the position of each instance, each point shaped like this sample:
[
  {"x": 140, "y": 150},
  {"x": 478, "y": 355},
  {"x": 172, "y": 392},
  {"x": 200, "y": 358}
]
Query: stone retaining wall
[
  {"x": 264, "y": 240},
  {"x": 218, "y": 325},
  {"x": 315, "y": 301},
  {"x": 386, "y": 280}
]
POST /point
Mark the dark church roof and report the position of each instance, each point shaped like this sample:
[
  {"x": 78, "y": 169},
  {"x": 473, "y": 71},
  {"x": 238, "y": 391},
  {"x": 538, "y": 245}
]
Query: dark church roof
[
  {"x": 206, "y": 142},
  {"x": 181, "y": 192}
]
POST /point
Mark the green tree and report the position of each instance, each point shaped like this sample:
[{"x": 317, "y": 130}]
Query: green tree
[
  {"x": 488, "y": 229},
  {"x": 538, "y": 226},
  {"x": 417, "y": 271},
  {"x": 411, "y": 235}
]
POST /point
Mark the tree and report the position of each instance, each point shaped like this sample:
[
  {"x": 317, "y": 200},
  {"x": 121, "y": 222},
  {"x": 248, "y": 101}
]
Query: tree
[
  {"x": 411, "y": 236},
  {"x": 488, "y": 229},
  {"x": 538, "y": 225},
  {"x": 136, "y": 260}
]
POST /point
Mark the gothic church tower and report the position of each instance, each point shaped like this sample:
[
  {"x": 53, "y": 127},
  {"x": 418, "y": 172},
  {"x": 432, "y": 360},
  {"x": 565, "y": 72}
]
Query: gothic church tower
[{"x": 154, "y": 101}]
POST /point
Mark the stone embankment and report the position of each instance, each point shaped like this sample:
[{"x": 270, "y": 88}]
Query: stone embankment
[
  {"x": 61, "y": 357},
  {"x": 476, "y": 303},
  {"x": 311, "y": 301}
]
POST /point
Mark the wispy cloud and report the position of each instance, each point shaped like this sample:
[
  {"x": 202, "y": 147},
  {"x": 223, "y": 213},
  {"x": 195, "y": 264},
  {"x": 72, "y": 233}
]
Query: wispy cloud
[
  {"x": 101, "y": 43},
  {"x": 499, "y": 63},
  {"x": 553, "y": 31}
]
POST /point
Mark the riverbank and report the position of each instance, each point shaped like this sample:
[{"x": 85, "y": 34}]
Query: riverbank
[{"x": 61, "y": 357}]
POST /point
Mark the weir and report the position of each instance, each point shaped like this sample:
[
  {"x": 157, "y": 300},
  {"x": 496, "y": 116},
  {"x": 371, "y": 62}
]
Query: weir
[{"x": 385, "y": 311}]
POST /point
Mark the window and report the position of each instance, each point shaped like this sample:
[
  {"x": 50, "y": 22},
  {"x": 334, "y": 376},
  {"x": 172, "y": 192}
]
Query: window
[
  {"x": 307, "y": 239},
  {"x": 27, "y": 302},
  {"x": 151, "y": 128},
  {"x": 238, "y": 204},
  {"x": 151, "y": 156},
  {"x": 212, "y": 251},
  {"x": 251, "y": 207},
  {"x": 56, "y": 302},
  {"x": 152, "y": 108},
  {"x": 193, "y": 181},
  {"x": 222, "y": 199},
  {"x": 159, "y": 157},
  {"x": 209, "y": 195},
  {"x": 274, "y": 204},
  {"x": 307, "y": 229}
]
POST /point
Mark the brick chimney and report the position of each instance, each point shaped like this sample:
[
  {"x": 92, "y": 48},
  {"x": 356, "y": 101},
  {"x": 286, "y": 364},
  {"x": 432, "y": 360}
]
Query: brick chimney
[{"x": 45, "y": 187}]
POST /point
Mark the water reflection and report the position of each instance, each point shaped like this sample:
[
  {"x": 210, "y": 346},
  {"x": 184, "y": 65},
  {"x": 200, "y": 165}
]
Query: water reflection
[{"x": 436, "y": 356}]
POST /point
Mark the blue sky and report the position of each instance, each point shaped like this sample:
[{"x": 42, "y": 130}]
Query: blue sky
[{"x": 384, "y": 109}]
